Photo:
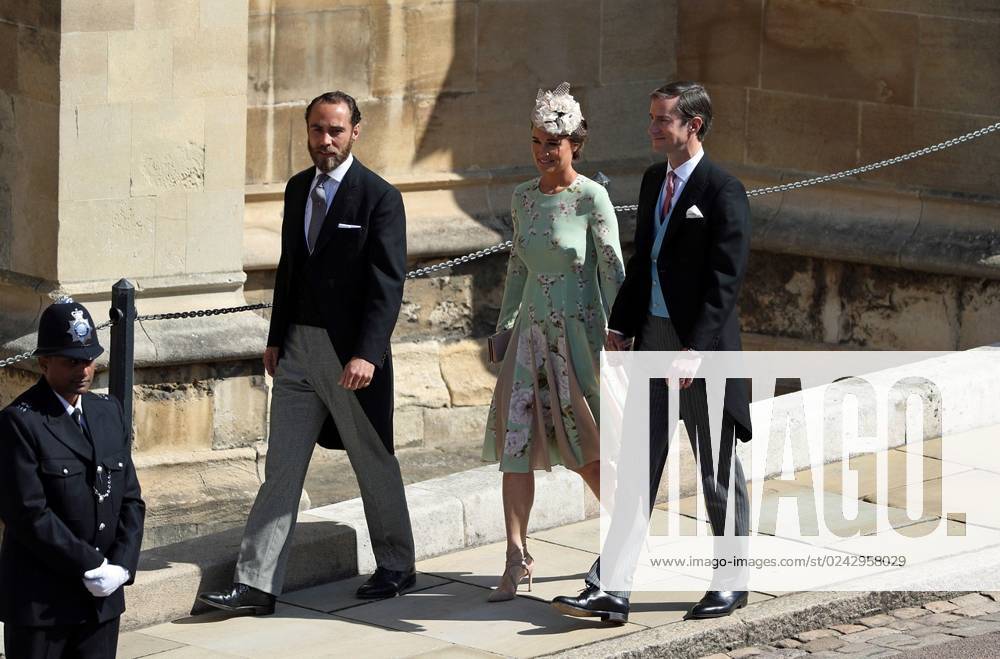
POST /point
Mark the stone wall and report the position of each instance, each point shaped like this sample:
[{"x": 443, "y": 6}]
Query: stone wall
[
  {"x": 446, "y": 86},
  {"x": 816, "y": 86},
  {"x": 29, "y": 146}
]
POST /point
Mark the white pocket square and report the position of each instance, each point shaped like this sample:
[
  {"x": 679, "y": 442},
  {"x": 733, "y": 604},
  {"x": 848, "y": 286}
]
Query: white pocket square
[
  {"x": 695, "y": 212},
  {"x": 348, "y": 226}
]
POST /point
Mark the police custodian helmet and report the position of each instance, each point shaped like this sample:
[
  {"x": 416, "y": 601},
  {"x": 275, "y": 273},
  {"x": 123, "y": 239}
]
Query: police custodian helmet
[{"x": 67, "y": 329}]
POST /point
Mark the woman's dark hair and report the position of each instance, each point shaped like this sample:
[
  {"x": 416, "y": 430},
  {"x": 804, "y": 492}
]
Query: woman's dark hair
[{"x": 578, "y": 138}]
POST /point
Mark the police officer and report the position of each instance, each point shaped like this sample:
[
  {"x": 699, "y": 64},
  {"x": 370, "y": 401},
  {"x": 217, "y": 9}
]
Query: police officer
[{"x": 69, "y": 499}]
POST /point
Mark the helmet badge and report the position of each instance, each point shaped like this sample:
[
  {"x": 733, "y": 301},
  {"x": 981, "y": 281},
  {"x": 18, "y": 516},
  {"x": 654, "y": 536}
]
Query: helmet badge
[{"x": 79, "y": 327}]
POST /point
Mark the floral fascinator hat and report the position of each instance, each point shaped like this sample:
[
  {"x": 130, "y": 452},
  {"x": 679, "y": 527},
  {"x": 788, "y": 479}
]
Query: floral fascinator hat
[{"x": 556, "y": 112}]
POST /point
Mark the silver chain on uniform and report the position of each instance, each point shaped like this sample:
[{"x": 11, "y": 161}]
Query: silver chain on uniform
[{"x": 626, "y": 208}]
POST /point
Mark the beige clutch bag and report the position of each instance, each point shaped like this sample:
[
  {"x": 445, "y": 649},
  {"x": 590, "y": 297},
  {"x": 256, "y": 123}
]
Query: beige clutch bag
[{"x": 498, "y": 345}]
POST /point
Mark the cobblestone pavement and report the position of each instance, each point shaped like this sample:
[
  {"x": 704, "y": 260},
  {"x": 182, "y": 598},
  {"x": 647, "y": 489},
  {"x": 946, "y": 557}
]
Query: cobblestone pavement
[{"x": 889, "y": 634}]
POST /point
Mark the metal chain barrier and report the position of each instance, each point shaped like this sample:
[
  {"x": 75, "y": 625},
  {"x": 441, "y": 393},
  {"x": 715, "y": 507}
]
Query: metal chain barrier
[
  {"x": 941, "y": 146},
  {"x": 16, "y": 358},
  {"x": 499, "y": 247},
  {"x": 204, "y": 312},
  {"x": 625, "y": 208}
]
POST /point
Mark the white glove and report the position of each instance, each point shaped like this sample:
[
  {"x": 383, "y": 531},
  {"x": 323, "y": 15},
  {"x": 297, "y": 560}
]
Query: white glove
[{"x": 105, "y": 579}]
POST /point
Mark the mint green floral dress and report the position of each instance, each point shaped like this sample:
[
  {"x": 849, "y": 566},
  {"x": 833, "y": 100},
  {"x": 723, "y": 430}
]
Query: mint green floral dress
[{"x": 562, "y": 277}]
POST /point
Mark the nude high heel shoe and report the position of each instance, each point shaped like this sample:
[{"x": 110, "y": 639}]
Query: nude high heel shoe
[{"x": 519, "y": 566}]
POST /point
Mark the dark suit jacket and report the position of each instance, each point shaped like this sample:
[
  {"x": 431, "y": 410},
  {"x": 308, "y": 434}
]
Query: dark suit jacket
[
  {"x": 701, "y": 265},
  {"x": 55, "y": 528},
  {"x": 356, "y": 278}
]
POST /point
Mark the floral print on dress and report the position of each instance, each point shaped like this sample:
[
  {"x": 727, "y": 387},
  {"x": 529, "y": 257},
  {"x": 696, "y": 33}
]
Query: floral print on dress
[{"x": 562, "y": 277}]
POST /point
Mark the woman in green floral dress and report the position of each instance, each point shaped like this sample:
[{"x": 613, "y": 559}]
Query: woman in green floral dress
[{"x": 564, "y": 272}]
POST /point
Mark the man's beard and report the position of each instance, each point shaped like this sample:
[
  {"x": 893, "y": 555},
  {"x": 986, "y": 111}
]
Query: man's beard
[{"x": 329, "y": 162}]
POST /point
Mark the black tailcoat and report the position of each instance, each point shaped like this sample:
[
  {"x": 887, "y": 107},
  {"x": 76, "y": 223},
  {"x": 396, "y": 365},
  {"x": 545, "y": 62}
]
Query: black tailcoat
[
  {"x": 56, "y": 529},
  {"x": 354, "y": 277},
  {"x": 701, "y": 265}
]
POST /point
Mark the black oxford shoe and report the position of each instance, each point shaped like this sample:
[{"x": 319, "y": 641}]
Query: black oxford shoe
[
  {"x": 593, "y": 602},
  {"x": 386, "y": 583},
  {"x": 242, "y": 599},
  {"x": 717, "y": 604}
]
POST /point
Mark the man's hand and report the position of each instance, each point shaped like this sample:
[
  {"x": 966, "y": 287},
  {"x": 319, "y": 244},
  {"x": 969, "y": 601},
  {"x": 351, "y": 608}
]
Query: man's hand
[
  {"x": 616, "y": 342},
  {"x": 271, "y": 359},
  {"x": 357, "y": 374},
  {"x": 685, "y": 366},
  {"x": 104, "y": 580}
]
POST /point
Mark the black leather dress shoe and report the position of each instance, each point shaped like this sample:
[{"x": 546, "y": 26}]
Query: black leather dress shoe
[
  {"x": 386, "y": 583},
  {"x": 717, "y": 604},
  {"x": 242, "y": 599},
  {"x": 593, "y": 602}
]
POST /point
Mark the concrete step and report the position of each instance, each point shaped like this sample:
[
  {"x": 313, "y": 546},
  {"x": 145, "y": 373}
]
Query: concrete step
[{"x": 332, "y": 542}]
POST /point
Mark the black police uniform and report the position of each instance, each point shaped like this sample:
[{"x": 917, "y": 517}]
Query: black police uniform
[{"x": 69, "y": 499}]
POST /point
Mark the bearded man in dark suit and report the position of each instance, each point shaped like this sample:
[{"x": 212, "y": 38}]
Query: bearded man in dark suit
[{"x": 337, "y": 295}]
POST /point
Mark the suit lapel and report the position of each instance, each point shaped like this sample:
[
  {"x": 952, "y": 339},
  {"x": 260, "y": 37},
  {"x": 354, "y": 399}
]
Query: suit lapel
[
  {"x": 61, "y": 425},
  {"x": 297, "y": 215},
  {"x": 692, "y": 191},
  {"x": 341, "y": 205},
  {"x": 645, "y": 224}
]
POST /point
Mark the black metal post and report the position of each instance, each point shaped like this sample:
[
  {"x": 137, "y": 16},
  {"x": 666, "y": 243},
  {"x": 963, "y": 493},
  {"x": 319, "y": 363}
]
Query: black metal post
[{"x": 122, "y": 362}]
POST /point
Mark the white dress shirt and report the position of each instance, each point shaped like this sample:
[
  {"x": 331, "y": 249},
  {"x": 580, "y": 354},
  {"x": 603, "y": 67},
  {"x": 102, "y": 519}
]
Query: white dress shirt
[
  {"x": 72, "y": 408},
  {"x": 682, "y": 174},
  {"x": 331, "y": 187}
]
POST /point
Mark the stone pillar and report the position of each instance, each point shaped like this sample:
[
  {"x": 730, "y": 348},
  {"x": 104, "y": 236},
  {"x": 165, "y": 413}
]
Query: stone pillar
[{"x": 122, "y": 154}]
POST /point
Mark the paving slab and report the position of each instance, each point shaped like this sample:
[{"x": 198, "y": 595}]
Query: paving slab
[
  {"x": 972, "y": 627},
  {"x": 132, "y": 645},
  {"x": 858, "y": 478},
  {"x": 668, "y": 526},
  {"x": 458, "y": 613},
  {"x": 940, "y": 606},
  {"x": 910, "y": 642},
  {"x": 292, "y": 631},
  {"x": 909, "y": 612},
  {"x": 457, "y": 652},
  {"x": 969, "y": 600},
  {"x": 558, "y": 570},
  {"x": 192, "y": 652},
  {"x": 823, "y": 644},
  {"x": 827, "y": 515},
  {"x": 340, "y": 594},
  {"x": 973, "y": 448},
  {"x": 965, "y": 487},
  {"x": 865, "y": 650}
]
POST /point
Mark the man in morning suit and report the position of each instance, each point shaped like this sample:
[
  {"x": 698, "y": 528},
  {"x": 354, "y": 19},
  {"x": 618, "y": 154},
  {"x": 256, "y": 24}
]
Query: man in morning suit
[
  {"x": 70, "y": 502},
  {"x": 337, "y": 294},
  {"x": 692, "y": 241}
]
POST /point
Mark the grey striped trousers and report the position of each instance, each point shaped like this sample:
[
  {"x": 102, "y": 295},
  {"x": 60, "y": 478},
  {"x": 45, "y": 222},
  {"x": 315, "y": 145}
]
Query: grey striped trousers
[
  {"x": 658, "y": 334},
  {"x": 305, "y": 391}
]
